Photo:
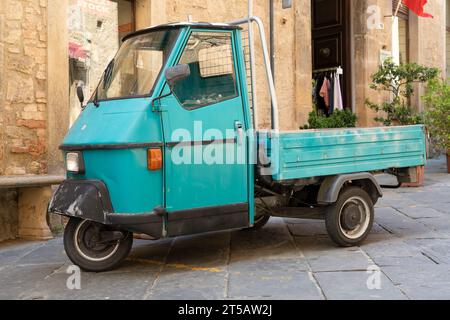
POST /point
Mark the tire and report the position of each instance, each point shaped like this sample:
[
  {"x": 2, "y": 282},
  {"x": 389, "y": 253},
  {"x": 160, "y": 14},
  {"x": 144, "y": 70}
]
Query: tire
[
  {"x": 350, "y": 219},
  {"x": 78, "y": 242},
  {"x": 259, "y": 223}
]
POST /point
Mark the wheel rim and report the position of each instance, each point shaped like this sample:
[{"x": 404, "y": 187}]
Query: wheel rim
[
  {"x": 354, "y": 217},
  {"x": 85, "y": 239}
]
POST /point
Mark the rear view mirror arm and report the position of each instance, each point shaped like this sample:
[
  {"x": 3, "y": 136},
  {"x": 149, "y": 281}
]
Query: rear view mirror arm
[
  {"x": 154, "y": 107},
  {"x": 173, "y": 74}
]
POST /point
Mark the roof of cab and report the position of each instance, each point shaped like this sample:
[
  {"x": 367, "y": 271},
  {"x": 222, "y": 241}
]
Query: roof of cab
[{"x": 175, "y": 25}]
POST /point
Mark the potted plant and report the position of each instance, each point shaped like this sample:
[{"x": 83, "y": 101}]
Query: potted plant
[
  {"x": 399, "y": 81},
  {"x": 437, "y": 114}
]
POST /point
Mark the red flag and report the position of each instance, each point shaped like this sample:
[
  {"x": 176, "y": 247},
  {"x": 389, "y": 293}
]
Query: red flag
[{"x": 416, "y": 6}]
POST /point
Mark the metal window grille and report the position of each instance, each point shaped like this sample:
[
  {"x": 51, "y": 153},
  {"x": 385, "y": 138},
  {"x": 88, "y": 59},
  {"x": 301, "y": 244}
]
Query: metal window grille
[{"x": 246, "y": 48}]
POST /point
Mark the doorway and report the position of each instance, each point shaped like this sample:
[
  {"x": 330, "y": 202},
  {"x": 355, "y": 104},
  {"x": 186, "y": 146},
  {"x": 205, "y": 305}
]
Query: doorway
[{"x": 331, "y": 42}]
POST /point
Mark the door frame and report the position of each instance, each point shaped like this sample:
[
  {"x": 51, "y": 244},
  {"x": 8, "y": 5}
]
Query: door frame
[
  {"x": 347, "y": 51},
  {"x": 214, "y": 218}
]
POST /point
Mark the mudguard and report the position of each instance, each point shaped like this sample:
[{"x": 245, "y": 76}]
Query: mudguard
[
  {"x": 89, "y": 199},
  {"x": 332, "y": 185}
]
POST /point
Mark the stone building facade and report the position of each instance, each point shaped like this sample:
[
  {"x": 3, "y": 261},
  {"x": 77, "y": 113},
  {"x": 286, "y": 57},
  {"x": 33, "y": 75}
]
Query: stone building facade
[
  {"x": 37, "y": 59},
  {"x": 23, "y": 95}
]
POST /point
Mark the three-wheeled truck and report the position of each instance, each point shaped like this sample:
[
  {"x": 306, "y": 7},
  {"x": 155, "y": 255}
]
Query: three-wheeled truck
[{"x": 168, "y": 146}]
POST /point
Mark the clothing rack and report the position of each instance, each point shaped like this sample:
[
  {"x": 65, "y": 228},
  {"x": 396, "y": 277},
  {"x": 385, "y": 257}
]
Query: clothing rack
[{"x": 339, "y": 70}]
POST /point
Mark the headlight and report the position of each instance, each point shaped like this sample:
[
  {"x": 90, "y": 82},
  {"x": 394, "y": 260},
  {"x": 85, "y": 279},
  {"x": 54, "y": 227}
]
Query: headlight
[{"x": 74, "y": 162}]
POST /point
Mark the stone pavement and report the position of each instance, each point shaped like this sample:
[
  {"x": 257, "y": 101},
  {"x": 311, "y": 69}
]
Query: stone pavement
[{"x": 407, "y": 255}]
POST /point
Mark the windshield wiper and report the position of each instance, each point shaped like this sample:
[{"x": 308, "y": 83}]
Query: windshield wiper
[
  {"x": 108, "y": 74},
  {"x": 106, "y": 79},
  {"x": 96, "y": 103}
]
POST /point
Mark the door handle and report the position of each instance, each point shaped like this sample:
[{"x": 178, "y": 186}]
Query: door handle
[{"x": 239, "y": 127}]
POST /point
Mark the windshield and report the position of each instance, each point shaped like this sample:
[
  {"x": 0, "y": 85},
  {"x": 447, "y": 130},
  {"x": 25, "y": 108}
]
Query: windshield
[{"x": 137, "y": 65}]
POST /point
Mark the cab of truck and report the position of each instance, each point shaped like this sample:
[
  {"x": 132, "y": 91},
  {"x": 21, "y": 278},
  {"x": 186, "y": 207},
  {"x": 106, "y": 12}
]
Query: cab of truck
[{"x": 147, "y": 111}]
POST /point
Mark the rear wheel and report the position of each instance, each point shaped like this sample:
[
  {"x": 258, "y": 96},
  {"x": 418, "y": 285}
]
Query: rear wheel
[
  {"x": 95, "y": 247},
  {"x": 350, "y": 219}
]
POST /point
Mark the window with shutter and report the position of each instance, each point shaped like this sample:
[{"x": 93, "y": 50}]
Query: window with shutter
[
  {"x": 403, "y": 29},
  {"x": 403, "y": 12}
]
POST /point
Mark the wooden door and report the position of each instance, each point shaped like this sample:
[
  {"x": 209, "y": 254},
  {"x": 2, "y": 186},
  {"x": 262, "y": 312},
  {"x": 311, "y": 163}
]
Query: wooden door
[{"x": 331, "y": 40}]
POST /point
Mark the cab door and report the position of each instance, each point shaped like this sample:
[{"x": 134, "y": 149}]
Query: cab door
[{"x": 206, "y": 172}]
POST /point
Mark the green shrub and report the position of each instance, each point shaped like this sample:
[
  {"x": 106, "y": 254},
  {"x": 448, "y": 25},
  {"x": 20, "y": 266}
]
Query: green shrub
[
  {"x": 339, "y": 119},
  {"x": 437, "y": 114}
]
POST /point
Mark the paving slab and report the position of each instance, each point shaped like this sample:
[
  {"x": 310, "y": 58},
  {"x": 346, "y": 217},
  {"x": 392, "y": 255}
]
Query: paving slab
[
  {"x": 274, "y": 240},
  {"x": 204, "y": 250},
  {"x": 52, "y": 252},
  {"x": 439, "y": 224},
  {"x": 94, "y": 286},
  {"x": 416, "y": 212},
  {"x": 441, "y": 207},
  {"x": 16, "y": 281},
  {"x": 189, "y": 285},
  {"x": 389, "y": 246},
  {"x": 401, "y": 225},
  {"x": 272, "y": 283},
  {"x": 421, "y": 281},
  {"x": 437, "y": 250},
  {"x": 322, "y": 257},
  {"x": 353, "y": 286}
]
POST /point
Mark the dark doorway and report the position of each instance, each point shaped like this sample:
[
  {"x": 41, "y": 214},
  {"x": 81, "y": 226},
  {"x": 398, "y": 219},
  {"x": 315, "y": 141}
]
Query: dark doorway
[{"x": 331, "y": 46}]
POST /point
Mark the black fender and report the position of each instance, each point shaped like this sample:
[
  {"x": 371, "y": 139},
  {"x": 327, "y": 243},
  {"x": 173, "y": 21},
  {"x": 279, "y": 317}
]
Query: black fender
[
  {"x": 332, "y": 185},
  {"x": 90, "y": 200}
]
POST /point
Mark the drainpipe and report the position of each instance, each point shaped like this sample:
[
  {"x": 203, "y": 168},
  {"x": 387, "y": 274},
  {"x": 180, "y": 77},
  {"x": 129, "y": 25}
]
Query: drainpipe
[
  {"x": 272, "y": 45},
  {"x": 251, "y": 45}
]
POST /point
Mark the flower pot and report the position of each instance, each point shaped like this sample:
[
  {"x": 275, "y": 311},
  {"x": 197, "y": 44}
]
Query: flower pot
[
  {"x": 448, "y": 161},
  {"x": 419, "y": 174}
]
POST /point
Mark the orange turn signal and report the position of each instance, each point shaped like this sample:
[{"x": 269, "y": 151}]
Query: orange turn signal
[{"x": 154, "y": 159}]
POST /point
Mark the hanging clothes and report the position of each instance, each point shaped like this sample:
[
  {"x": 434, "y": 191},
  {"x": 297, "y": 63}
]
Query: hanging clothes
[
  {"x": 319, "y": 101},
  {"x": 338, "y": 104},
  {"x": 324, "y": 92},
  {"x": 331, "y": 94}
]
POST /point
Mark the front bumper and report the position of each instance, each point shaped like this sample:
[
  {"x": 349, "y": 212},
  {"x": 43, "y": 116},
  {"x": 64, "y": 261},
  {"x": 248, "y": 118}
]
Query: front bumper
[{"x": 90, "y": 200}]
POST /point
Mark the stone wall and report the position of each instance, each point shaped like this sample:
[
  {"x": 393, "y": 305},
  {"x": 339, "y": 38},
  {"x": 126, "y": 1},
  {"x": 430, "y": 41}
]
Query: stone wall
[
  {"x": 8, "y": 214},
  {"x": 367, "y": 44},
  {"x": 23, "y": 99},
  {"x": 427, "y": 37},
  {"x": 23, "y": 93}
]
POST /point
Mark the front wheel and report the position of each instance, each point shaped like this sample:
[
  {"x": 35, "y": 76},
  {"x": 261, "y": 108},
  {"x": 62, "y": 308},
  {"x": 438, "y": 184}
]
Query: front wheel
[
  {"x": 95, "y": 247},
  {"x": 350, "y": 219}
]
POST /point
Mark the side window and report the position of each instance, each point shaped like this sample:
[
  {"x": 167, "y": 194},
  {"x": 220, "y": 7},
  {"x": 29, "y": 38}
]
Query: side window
[{"x": 210, "y": 58}]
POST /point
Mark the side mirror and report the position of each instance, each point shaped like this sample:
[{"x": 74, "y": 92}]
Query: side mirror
[
  {"x": 80, "y": 94},
  {"x": 177, "y": 73}
]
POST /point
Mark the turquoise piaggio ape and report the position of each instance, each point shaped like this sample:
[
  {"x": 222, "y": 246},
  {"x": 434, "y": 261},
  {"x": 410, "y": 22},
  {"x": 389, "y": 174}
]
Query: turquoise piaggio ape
[{"x": 167, "y": 146}]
